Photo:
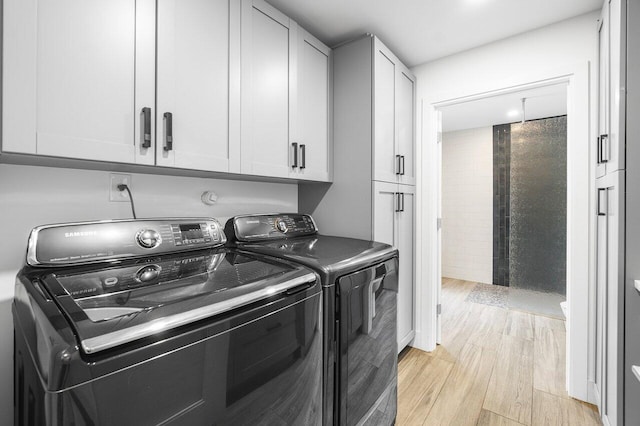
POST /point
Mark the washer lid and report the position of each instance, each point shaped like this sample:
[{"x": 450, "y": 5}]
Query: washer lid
[{"x": 111, "y": 306}]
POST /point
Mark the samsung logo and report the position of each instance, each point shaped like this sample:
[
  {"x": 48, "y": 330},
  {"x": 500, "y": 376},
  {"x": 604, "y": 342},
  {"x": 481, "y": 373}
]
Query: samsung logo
[{"x": 80, "y": 234}]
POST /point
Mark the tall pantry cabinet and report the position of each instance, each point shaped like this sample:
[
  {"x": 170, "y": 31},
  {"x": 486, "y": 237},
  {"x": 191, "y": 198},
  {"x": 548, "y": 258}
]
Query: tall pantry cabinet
[
  {"x": 609, "y": 375},
  {"x": 373, "y": 194},
  {"x": 632, "y": 226}
]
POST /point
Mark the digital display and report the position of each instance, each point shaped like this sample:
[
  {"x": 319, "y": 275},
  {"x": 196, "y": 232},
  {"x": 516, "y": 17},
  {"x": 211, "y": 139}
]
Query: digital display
[{"x": 191, "y": 231}]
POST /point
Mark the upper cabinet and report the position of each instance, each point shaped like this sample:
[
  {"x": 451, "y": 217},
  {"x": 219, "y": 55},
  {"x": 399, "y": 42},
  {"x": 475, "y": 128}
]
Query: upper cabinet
[
  {"x": 394, "y": 115},
  {"x": 214, "y": 85},
  {"x": 285, "y": 97},
  {"x": 610, "y": 151},
  {"x": 76, "y": 75},
  {"x": 311, "y": 111},
  {"x": 266, "y": 76},
  {"x": 193, "y": 90}
]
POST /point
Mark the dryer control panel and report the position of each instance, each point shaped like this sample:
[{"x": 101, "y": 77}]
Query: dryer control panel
[
  {"x": 90, "y": 242},
  {"x": 270, "y": 226}
]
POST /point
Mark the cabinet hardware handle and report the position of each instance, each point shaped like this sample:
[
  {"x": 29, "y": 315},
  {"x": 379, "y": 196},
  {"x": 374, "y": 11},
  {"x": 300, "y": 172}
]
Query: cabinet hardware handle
[
  {"x": 396, "y": 196},
  {"x": 168, "y": 131},
  {"x": 295, "y": 154},
  {"x": 402, "y": 157},
  {"x": 598, "y": 151},
  {"x": 402, "y": 195},
  {"x": 146, "y": 127},
  {"x": 604, "y": 148},
  {"x": 599, "y": 211},
  {"x": 303, "y": 156},
  {"x": 398, "y": 164}
]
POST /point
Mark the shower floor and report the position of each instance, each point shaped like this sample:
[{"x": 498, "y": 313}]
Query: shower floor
[{"x": 535, "y": 302}]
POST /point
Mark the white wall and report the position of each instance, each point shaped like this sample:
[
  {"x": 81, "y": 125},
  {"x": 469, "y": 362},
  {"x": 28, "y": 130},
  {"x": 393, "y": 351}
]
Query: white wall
[
  {"x": 31, "y": 196},
  {"x": 467, "y": 204},
  {"x": 566, "y": 51}
]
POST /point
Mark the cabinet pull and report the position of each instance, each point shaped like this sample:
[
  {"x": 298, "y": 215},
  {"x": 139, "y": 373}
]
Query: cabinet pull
[
  {"x": 398, "y": 164},
  {"x": 604, "y": 148},
  {"x": 168, "y": 131},
  {"x": 295, "y": 154},
  {"x": 599, "y": 211},
  {"x": 402, "y": 197},
  {"x": 146, "y": 127},
  {"x": 396, "y": 196},
  {"x": 402, "y": 157},
  {"x": 303, "y": 156}
]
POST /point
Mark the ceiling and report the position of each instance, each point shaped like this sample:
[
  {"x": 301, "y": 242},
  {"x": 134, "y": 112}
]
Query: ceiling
[
  {"x": 418, "y": 31},
  {"x": 542, "y": 102}
]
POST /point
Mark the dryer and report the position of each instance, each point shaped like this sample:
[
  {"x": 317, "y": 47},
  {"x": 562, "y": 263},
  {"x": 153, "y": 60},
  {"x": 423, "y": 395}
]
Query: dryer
[{"x": 359, "y": 285}]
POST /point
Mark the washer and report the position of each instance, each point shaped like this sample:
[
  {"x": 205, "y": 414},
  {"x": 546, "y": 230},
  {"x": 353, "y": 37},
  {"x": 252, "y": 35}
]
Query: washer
[
  {"x": 360, "y": 285},
  {"x": 148, "y": 322}
]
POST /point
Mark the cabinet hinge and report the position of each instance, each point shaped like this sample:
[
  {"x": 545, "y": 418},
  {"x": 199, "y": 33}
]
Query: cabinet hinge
[{"x": 439, "y": 309}]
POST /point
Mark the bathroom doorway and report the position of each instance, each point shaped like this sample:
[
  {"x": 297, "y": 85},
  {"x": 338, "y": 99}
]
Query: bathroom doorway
[{"x": 504, "y": 199}]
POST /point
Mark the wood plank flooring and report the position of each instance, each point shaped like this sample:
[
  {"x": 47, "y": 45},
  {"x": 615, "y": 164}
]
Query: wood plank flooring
[{"x": 495, "y": 367}]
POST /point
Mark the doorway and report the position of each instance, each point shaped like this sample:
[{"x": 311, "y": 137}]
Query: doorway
[{"x": 503, "y": 198}]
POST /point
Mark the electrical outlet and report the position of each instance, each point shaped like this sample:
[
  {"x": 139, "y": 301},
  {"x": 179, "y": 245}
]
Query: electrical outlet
[{"x": 116, "y": 179}]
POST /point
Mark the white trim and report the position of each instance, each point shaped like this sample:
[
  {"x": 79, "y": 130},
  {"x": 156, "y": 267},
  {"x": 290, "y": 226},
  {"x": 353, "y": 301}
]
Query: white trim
[{"x": 579, "y": 178}]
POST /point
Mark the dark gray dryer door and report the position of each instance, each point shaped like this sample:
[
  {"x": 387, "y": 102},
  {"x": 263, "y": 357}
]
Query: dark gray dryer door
[{"x": 367, "y": 345}]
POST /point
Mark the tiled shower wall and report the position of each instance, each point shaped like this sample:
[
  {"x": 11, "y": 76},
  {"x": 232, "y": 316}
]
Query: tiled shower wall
[
  {"x": 530, "y": 210},
  {"x": 501, "y": 202},
  {"x": 467, "y": 177}
]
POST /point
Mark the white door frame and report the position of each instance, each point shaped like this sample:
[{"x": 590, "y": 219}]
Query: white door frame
[{"x": 580, "y": 243}]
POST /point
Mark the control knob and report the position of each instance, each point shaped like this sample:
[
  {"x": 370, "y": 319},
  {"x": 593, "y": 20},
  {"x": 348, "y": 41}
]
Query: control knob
[
  {"x": 148, "y": 238},
  {"x": 148, "y": 273},
  {"x": 281, "y": 225}
]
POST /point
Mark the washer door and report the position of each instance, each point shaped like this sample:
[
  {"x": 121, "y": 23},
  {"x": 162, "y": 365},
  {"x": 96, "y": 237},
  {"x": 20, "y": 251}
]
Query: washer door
[{"x": 367, "y": 345}]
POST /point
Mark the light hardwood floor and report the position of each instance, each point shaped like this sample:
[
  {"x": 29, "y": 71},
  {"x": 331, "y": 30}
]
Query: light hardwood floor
[{"x": 494, "y": 367}]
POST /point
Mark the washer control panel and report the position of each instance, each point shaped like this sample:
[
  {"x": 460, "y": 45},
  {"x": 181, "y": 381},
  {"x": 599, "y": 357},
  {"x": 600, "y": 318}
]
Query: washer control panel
[
  {"x": 270, "y": 226},
  {"x": 89, "y": 242}
]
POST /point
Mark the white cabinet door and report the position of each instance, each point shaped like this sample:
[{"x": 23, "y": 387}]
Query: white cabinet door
[
  {"x": 405, "y": 125},
  {"x": 609, "y": 295},
  {"x": 615, "y": 149},
  {"x": 265, "y": 90},
  {"x": 603, "y": 90},
  {"x": 193, "y": 85},
  {"x": 601, "y": 297},
  {"x": 311, "y": 110},
  {"x": 385, "y": 163},
  {"x": 76, "y": 75},
  {"x": 394, "y": 224},
  {"x": 394, "y": 118},
  {"x": 406, "y": 278},
  {"x": 611, "y": 93},
  {"x": 385, "y": 206}
]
